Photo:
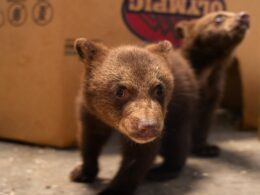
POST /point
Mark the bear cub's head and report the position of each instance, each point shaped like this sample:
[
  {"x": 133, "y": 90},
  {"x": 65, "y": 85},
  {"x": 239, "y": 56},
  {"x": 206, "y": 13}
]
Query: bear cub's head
[
  {"x": 218, "y": 30},
  {"x": 127, "y": 87}
]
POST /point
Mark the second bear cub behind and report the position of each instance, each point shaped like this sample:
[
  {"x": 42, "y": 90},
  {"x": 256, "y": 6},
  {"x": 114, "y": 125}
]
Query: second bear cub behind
[{"x": 209, "y": 44}]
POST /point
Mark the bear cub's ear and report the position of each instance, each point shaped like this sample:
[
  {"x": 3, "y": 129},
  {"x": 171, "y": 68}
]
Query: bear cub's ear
[
  {"x": 160, "y": 47},
  {"x": 183, "y": 29},
  {"x": 89, "y": 50}
]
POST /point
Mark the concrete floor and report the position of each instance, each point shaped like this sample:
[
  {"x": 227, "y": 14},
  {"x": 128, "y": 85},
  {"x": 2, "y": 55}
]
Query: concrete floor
[{"x": 28, "y": 170}]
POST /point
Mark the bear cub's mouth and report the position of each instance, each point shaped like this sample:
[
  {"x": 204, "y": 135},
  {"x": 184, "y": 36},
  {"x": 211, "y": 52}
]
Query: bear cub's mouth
[
  {"x": 145, "y": 136},
  {"x": 148, "y": 134}
]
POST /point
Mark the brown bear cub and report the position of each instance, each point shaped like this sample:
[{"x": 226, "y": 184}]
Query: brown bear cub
[
  {"x": 148, "y": 94},
  {"x": 209, "y": 44}
]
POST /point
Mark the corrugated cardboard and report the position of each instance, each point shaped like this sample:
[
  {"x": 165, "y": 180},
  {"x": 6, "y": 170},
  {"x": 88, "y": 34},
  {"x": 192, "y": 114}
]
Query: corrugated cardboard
[
  {"x": 259, "y": 119},
  {"x": 39, "y": 71},
  {"x": 248, "y": 54},
  {"x": 36, "y": 99}
]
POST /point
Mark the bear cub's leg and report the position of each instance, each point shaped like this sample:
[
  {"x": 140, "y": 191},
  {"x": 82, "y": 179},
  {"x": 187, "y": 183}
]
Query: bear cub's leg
[
  {"x": 94, "y": 135},
  {"x": 175, "y": 148},
  {"x": 137, "y": 159},
  {"x": 200, "y": 146}
]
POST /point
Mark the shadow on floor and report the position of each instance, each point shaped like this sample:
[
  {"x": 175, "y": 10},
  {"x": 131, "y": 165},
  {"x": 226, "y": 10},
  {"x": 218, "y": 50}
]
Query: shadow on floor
[{"x": 190, "y": 176}]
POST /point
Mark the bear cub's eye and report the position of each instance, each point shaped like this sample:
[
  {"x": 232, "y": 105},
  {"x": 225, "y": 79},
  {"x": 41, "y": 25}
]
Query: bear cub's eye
[
  {"x": 219, "y": 19},
  {"x": 122, "y": 92},
  {"x": 159, "y": 91}
]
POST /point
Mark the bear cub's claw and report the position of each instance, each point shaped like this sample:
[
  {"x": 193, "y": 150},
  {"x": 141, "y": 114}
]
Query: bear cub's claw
[
  {"x": 207, "y": 151},
  {"x": 78, "y": 175}
]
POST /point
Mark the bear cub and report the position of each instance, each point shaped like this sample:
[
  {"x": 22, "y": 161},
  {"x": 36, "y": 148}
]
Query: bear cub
[
  {"x": 209, "y": 44},
  {"x": 148, "y": 94}
]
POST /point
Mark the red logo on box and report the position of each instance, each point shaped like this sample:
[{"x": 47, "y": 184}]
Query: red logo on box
[{"x": 154, "y": 20}]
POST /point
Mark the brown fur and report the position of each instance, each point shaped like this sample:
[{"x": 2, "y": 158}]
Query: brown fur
[
  {"x": 148, "y": 95},
  {"x": 209, "y": 44}
]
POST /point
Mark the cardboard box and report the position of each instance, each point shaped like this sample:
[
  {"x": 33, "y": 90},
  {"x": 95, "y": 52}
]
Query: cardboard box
[
  {"x": 38, "y": 82},
  {"x": 259, "y": 119},
  {"x": 249, "y": 62},
  {"x": 39, "y": 71}
]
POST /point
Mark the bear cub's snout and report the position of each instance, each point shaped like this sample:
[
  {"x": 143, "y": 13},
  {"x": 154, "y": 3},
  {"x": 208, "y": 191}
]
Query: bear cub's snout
[{"x": 146, "y": 129}]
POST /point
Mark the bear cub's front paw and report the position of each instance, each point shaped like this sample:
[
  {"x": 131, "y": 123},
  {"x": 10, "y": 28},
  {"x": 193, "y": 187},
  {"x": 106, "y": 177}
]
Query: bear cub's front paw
[
  {"x": 111, "y": 191},
  {"x": 79, "y": 175},
  {"x": 162, "y": 173},
  {"x": 207, "y": 151}
]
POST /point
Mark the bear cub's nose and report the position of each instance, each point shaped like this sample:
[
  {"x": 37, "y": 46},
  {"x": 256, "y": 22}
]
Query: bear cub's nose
[
  {"x": 146, "y": 125},
  {"x": 244, "y": 18}
]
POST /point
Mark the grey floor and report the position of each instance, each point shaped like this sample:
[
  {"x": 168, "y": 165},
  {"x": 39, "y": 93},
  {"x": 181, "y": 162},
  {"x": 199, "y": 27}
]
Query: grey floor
[{"x": 30, "y": 170}]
